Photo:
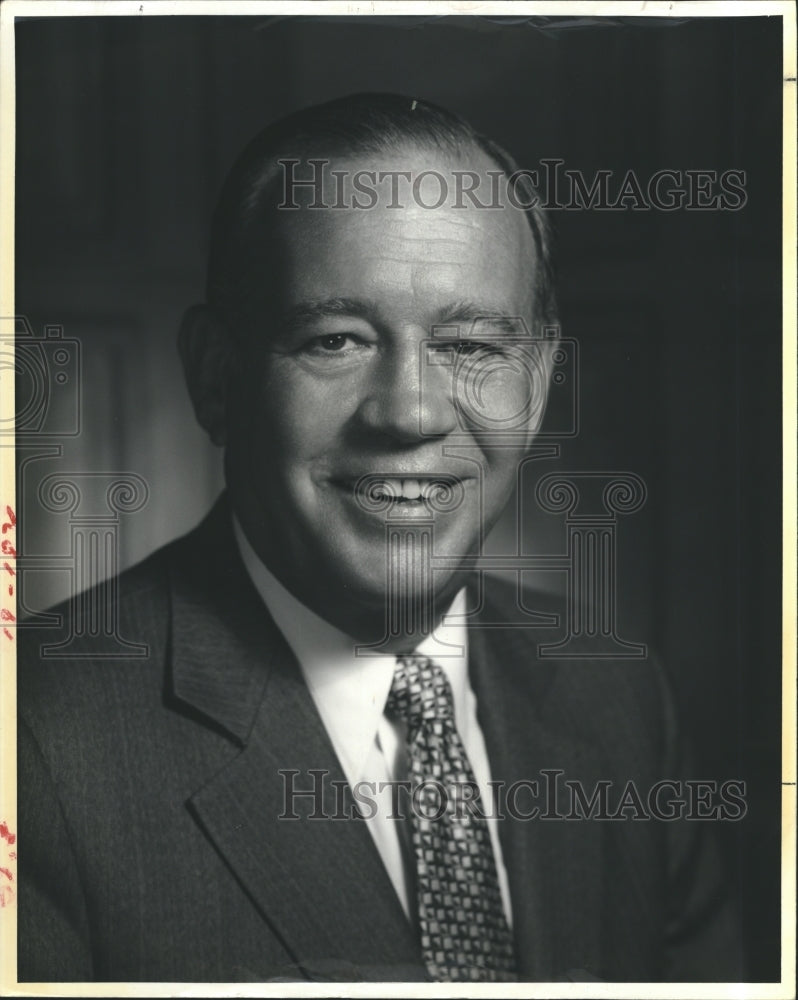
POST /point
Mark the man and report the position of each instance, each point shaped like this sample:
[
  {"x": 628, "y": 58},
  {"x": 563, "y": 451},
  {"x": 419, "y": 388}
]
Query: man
[{"x": 272, "y": 793}]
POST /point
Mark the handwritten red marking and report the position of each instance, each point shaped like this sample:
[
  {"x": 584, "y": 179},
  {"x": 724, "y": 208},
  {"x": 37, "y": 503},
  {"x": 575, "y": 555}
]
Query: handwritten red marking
[
  {"x": 10, "y": 590},
  {"x": 6, "y": 616},
  {"x": 6, "y": 895},
  {"x": 9, "y": 569},
  {"x": 7, "y": 873},
  {"x": 6, "y": 834},
  {"x": 12, "y": 855},
  {"x": 8, "y": 549},
  {"x": 12, "y": 519},
  {"x": 8, "y": 634}
]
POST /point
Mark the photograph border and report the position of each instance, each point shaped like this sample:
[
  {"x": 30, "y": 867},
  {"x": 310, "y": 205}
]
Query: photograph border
[{"x": 16, "y": 9}]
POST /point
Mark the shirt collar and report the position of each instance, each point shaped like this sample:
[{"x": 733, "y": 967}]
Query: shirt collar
[{"x": 350, "y": 689}]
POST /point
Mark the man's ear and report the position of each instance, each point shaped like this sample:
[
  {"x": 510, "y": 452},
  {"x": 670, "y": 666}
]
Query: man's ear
[{"x": 206, "y": 352}]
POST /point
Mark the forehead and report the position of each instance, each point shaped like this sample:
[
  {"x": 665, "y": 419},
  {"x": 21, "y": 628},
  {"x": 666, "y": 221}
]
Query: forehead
[{"x": 397, "y": 226}]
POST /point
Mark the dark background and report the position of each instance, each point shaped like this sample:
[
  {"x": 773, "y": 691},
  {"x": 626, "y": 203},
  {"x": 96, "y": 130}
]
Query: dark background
[{"x": 125, "y": 128}]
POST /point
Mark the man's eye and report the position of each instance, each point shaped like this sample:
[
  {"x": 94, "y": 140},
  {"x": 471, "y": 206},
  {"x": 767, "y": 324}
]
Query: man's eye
[
  {"x": 334, "y": 352},
  {"x": 333, "y": 343}
]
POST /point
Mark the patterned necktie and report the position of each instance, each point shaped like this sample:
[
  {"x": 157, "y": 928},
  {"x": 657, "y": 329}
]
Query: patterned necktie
[{"x": 464, "y": 933}]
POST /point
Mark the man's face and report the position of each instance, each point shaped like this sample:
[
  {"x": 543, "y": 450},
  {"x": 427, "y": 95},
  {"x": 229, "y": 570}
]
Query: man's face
[{"x": 339, "y": 383}]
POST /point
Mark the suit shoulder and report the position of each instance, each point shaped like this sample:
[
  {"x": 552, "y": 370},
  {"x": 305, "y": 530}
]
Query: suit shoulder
[
  {"x": 111, "y": 634},
  {"x": 114, "y": 596},
  {"x": 534, "y": 628}
]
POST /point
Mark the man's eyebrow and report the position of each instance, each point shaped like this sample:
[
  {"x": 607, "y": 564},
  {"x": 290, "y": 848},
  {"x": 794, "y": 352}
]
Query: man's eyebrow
[
  {"x": 305, "y": 312},
  {"x": 461, "y": 311}
]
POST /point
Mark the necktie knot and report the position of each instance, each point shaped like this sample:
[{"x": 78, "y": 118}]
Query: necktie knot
[{"x": 420, "y": 693}]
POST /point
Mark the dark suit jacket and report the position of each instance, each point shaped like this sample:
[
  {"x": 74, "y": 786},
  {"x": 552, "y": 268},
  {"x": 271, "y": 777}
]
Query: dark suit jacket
[{"x": 150, "y": 846}]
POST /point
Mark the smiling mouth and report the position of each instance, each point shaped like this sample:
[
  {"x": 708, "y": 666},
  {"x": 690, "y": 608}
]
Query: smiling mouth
[
  {"x": 407, "y": 490},
  {"x": 439, "y": 492}
]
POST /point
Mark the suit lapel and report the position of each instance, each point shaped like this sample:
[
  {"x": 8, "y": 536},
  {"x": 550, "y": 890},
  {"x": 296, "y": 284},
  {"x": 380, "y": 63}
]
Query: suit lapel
[
  {"x": 554, "y": 865},
  {"x": 319, "y": 883}
]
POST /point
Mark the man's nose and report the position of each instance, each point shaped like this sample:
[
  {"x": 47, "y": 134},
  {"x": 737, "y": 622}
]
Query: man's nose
[{"x": 407, "y": 399}]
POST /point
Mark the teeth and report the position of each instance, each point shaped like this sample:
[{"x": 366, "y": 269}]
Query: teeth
[{"x": 405, "y": 489}]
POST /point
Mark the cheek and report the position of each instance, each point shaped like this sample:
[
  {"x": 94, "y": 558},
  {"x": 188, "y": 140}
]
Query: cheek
[
  {"x": 296, "y": 417},
  {"x": 501, "y": 473}
]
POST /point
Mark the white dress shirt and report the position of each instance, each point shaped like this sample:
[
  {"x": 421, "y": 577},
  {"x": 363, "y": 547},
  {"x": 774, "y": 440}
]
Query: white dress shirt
[{"x": 350, "y": 692}]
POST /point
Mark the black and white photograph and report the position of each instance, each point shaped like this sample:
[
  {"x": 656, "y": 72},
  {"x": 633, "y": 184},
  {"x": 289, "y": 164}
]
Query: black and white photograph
[{"x": 397, "y": 564}]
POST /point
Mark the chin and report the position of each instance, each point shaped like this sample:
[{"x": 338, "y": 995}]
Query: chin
[{"x": 366, "y": 584}]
